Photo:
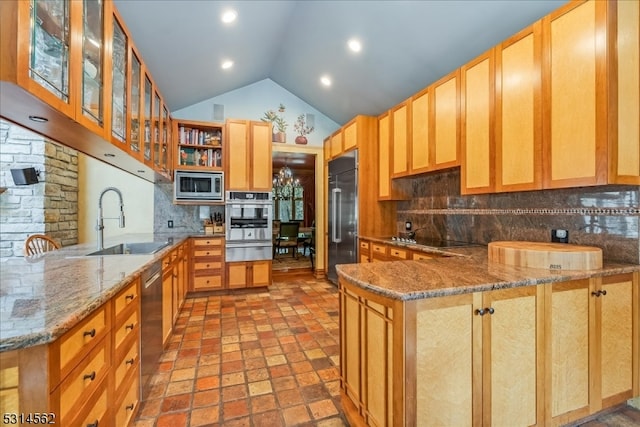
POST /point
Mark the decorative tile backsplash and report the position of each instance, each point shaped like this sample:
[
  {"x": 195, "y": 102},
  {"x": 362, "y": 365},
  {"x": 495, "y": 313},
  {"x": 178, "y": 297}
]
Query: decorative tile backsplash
[{"x": 603, "y": 216}]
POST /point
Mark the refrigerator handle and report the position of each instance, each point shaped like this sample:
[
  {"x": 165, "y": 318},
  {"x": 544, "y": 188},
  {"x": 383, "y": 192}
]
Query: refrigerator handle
[{"x": 336, "y": 215}]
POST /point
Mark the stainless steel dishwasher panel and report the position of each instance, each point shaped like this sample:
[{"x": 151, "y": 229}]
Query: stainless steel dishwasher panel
[{"x": 151, "y": 326}]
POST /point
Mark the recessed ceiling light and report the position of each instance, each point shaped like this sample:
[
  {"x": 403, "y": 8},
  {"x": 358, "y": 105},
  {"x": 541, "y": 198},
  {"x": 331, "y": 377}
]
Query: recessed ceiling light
[
  {"x": 325, "y": 80},
  {"x": 227, "y": 64},
  {"x": 354, "y": 45},
  {"x": 229, "y": 16}
]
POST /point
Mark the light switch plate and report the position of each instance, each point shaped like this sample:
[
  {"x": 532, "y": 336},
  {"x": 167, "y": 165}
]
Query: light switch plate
[{"x": 560, "y": 236}]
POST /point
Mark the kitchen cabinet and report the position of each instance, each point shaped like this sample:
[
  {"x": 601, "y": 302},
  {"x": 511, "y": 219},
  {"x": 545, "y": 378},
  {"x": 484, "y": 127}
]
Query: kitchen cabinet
[
  {"x": 249, "y": 144},
  {"x": 625, "y": 88},
  {"x": 388, "y": 189},
  {"x": 590, "y": 359},
  {"x": 364, "y": 251},
  {"x": 168, "y": 264},
  {"x": 248, "y": 274},
  {"x": 146, "y": 119},
  {"x": 207, "y": 264},
  {"x": 335, "y": 144},
  {"x": 120, "y": 75},
  {"x": 135, "y": 96},
  {"x": 378, "y": 252},
  {"x": 534, "y": 355},
  {"x": 419, "y": 141},
  {"x": 400, "y": 140},
  {"x": 518, "y": 112},
  {"x": 575, "y": 89},
  {"x": 198, "y": 145},
  {"x": 445, "y": 122},
  {"x": 477, "y": 128}
]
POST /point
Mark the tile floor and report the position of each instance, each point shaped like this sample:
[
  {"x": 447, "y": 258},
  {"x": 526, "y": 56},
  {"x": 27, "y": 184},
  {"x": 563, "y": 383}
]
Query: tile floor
[{"x": 265, "y": 359}]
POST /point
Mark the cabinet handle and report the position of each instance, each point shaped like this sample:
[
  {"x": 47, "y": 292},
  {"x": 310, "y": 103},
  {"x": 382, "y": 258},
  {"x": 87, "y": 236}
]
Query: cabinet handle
[
  {"x": 480, "y": 312},
  {"x": 603, "y": 292},
  {"x": 94, "y": 424},
  {"x": 598, "y": 293},
  {"x": 490, "y": 310},
  {"x": 131, "y": 296},
  {"x": 130, "y": 361},
  {"x": 129, "y": 326},
  {"x": 91, "y": 333},
  {"x": 91, "y": 376},
  {"x": 130, "y": 407}
]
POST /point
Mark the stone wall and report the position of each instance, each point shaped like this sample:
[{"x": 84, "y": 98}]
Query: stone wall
[
  {"x": 49, "y": 207},
  {"x": 605, "y": 216}
]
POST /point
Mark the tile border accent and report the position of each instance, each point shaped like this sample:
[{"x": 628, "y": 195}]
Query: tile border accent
[{"x": 526, "y": 211}]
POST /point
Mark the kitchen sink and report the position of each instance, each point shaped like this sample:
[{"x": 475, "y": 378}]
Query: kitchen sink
[{"x": 138, "y": 248}]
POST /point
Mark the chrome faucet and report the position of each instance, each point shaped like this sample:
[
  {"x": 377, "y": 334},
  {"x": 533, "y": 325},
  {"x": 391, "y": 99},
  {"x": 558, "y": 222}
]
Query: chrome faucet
[{"x": 100, "y": 224}]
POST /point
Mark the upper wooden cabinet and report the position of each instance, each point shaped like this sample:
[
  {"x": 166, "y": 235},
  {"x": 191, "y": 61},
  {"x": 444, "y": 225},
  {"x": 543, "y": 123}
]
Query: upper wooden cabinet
[
  {"x": 445, "y": 122},
  {"x": 198, "y": 145},
  {"x": 419, "y": 142},
  {"x": 248, "y": 155},
  {"x": 624, "y": 107},
  {"x": 518, "y": 112},
  {"x": 64, "y": 59},
  {"x": 477, "y": 130},
  {"x": 400, "y": 140}
]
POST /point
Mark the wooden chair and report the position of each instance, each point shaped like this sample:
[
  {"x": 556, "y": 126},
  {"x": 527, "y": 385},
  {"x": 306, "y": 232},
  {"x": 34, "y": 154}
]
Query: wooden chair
[
  {"x": 38, "y": 244},
  {"x": 288, "y": 237}
]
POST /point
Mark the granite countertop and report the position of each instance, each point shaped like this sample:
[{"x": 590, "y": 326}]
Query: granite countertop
[
  {"x": 42, "y": 297},
  {"x": 462, "y": 270}
]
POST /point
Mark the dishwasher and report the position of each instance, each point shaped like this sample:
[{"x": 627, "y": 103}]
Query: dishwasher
[{"x": 150, "y": 325}]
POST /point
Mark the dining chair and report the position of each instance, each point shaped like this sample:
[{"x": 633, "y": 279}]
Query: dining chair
[
  {"x": 288, "y": 237},
  {"x": 38, "y": 244}
]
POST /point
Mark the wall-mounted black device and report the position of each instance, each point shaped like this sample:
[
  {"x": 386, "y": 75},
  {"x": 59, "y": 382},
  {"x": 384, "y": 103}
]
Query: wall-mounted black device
[
  {"x": 25, "y": 176},
  {"x": 560, "y": 236}
]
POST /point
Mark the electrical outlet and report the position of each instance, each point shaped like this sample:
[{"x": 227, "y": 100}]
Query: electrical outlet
[
  {"x": 407, "y": 225},
  {"x": 560, "y": 236},
  {"x": 170, "y": 223}
]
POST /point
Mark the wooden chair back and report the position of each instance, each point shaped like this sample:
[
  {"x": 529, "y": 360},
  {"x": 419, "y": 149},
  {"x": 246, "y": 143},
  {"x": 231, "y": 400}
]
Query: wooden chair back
[{"x": 38, "y": 244}]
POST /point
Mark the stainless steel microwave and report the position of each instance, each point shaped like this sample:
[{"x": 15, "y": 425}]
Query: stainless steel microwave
[{"x": 199, "y": 186}]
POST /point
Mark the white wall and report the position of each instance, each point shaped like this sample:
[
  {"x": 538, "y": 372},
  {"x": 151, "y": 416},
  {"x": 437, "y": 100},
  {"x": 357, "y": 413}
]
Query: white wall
[
  {"x": 251, "y": 102},
  {"x": 93, "y": 177}
]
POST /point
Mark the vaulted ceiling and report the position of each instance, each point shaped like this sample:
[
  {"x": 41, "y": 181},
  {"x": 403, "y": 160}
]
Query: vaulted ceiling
[{"x": 406, "y": 45}]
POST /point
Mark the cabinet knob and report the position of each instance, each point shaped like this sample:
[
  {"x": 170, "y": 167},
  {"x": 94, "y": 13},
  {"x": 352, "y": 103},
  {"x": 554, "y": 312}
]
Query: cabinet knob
[
  {"x": 490, "y": 310},
  {"x": 480, "y": 312},
  {"x": 91, "y": 376},
  {"x": 598, "y": 293},
  {"x": 91, "y": 333}
]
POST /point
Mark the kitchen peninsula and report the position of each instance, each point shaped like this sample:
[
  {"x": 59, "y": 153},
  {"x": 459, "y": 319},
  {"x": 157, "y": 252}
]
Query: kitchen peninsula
[{"x": 459, "y": 341}]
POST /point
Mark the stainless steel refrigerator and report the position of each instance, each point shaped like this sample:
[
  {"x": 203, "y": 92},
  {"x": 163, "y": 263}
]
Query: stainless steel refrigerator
[{"x": 343, "y": 212}]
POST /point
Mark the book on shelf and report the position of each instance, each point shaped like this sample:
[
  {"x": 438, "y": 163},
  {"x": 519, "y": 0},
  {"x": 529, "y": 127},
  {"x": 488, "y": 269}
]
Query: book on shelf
[
  {"x": 193, "y": 136},
  {"x": 210, "y": 157}
]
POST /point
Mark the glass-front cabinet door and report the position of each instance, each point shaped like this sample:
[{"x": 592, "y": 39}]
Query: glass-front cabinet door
[
  {"x": 92, "y": 100},
  {"x": 120, "y": 46},
  {"x": 147, "y": 119},
  {"x": 157, "y": 123},
  {"x": 166, "y": 129},
  {"x": 134, "y": 117},
  {"x": 50, "y": 52}
]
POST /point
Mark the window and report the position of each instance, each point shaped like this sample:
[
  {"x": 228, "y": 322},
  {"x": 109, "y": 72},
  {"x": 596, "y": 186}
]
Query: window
[{"x": 289, "y": 208}]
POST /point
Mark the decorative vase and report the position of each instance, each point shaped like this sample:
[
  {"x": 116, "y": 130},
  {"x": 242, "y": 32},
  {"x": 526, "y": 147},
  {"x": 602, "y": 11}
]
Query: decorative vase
[
  {"x": 279, "y": 137},
  {"x": 301, "y": 139}
]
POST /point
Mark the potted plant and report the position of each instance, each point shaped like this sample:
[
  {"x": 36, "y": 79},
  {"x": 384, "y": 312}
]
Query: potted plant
[
  {"x": 302, "y": 129},
  {"x": 278, "y": 124}
]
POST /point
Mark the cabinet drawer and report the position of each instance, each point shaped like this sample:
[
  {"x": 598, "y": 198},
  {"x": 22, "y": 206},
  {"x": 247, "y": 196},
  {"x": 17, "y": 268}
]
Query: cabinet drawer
[
  {"x": 127, "y": 408},
  {"x": 398, "y": 253},
  {"x": 95, "y": 411},
  {"x": 128, "y": 363},
  {"x": 198, "y": 243},
  {"x": 82, "y": 338},
  {"x": 126, "y": 297},
  {"x": 208, "y": 252},
  {"x": 124, "y": 329},
  {"x": 379, "y": 249},
  {"x": 207, "y": 282},
  {"x": 364, "y": 245},
  {"x": 419, "y": 256},
  {"x": 210, "y": 265},
  {"x": 85, "y": 378}
]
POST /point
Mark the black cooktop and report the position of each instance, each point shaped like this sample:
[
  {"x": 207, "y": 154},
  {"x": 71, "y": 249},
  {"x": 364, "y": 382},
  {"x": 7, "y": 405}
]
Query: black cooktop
[{"x": 434, "y": 243}]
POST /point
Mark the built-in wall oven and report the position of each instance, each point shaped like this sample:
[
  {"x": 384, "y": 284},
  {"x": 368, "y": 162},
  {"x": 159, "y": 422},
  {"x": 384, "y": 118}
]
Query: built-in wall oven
[{"x": 249, "y": 229}]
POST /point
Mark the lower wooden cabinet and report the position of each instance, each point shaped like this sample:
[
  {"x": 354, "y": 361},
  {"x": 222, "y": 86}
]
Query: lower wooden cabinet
[
  {"x": 542, "y": 355},
  {"x": 248, "y": 274},
  {"x": 365, "y": 251},
  {"x": 207, "y": 264},
  {"x": 376, "y": 252}
]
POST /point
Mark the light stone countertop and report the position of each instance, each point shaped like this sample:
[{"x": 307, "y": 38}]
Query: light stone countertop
[
  {"x": 462, "y": 270},
  {"x": 42, "y": 297}
]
